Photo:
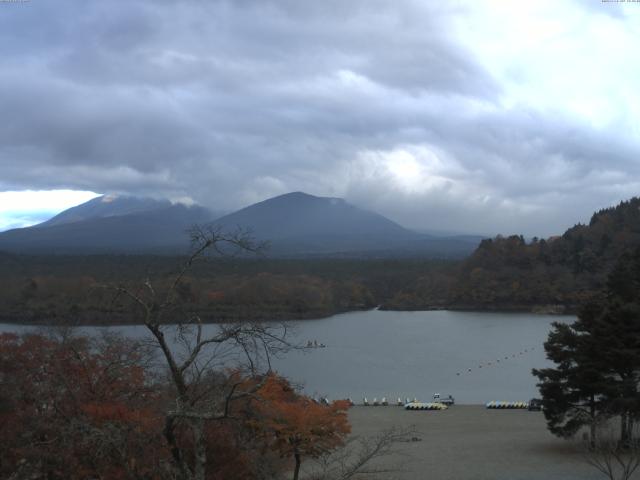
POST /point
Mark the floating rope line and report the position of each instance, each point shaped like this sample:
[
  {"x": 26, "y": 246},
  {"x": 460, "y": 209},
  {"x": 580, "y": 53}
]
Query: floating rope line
[{"x": 491, "y": 363}]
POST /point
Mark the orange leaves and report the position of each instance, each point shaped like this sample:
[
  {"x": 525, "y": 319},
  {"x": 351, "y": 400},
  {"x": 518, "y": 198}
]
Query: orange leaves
[
  {"x": 84, "y": 408},
  {"x": 295, "y": 424},
  {"x": 215, "y": 295},
  {"x": 103, "y": 412}
]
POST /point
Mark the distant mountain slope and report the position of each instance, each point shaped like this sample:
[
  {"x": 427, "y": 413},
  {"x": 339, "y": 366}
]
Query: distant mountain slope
[
  {"x": 133, "y": 226},
  {"x": 304, "y": 222},
  {"x": 295, "y": 224},
  {"x": 299, "y": 214},
  {"x": 105, "y": 206}
]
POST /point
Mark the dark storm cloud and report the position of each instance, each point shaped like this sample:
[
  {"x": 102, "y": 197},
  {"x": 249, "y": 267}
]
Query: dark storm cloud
[{"x": 229, "y": 102}]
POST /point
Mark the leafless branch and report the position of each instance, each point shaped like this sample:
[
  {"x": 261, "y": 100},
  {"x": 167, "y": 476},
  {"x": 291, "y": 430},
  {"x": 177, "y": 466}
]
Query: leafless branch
[
  {"x": 609, "y": 457},
  {"x": 200, "y": 397},
  {"x": 362, "y": 456}
]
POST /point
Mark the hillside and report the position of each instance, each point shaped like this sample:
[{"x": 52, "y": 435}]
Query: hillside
[
  {"x": 159, "y": 228},
  {"x": 299, "y": 215},
  {"x": 555, "y": 274},
  {"x": 298, "y": 224},
  {"x": 104, "y": 207},
  {"x": 295, "y": 225}
]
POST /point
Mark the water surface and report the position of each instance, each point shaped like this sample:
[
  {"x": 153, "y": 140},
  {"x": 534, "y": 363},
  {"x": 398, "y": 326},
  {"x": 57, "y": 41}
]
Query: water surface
[{"x": 476, "y": 357}]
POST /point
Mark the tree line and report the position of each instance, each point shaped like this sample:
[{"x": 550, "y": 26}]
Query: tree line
[
  {"x": 558, "y": 274},
  {"x": 69, "y": 289}
]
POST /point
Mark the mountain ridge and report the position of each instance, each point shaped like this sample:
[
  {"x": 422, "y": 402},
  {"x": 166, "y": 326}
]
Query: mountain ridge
[
  {"x": 104, "y": 206},
  {"x": 295, "y": 224}
]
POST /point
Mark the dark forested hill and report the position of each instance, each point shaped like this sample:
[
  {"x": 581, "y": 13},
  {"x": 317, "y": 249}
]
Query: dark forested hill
[{"x": 555, "y": 274}]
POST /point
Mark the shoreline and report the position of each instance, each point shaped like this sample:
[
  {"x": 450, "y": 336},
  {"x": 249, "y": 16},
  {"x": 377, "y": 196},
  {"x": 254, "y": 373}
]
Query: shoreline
[
  {"x": 541, "y": 309},
  {"x": 537, "y": 310}
]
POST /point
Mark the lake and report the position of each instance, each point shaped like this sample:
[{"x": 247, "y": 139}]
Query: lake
[{"x": 476, "y": 357}]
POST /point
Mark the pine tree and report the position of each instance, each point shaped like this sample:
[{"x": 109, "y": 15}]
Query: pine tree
[
  {"x": 615, "y": 327},
  {"x": 572, "y": 391},
  {"x": 597, "y": 372}
]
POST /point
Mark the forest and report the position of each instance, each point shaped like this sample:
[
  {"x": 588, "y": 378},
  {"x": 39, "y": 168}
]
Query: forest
[
  {"x": 554, "y": 275},
  {"x": 75, "y": 289}
]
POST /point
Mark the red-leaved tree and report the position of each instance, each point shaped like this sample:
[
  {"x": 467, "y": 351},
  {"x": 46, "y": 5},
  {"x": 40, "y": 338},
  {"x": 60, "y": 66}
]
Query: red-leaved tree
[
  {"x": 296, "y": 426},
  {"x": 76, "y": 408}
]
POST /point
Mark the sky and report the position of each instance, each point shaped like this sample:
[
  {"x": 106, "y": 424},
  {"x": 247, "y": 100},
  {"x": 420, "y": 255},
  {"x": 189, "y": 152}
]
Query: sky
[{"x": 468, "y": 116}]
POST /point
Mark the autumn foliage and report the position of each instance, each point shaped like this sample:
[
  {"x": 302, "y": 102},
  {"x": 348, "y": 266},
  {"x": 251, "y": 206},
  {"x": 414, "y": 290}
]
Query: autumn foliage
[
  {"x": 295, "y": 426},
  {"x": 75, "y": 408},
  {"x": 79, "y": 408}
]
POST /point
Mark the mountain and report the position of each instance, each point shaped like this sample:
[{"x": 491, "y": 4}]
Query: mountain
[
  {"x": 109, "y": 225},
  {"x": 301, "y": 224},
  {"x": 298, "y": 222},
  {"x": 105, "y": 206},
  {"x": 295, "y": 224},
  {"x": 298, "y": 214}
]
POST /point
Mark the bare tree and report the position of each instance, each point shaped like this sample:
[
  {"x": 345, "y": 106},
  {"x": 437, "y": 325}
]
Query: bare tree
[
  {"x": 195, "y": 357},
  {"x": 364, "y": 457},
  {"x": 614, "y": 460}
]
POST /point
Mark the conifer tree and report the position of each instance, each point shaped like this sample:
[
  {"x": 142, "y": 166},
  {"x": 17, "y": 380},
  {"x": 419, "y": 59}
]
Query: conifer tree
[
  {"x": 597, "y": 372},
  {"x": 571, "y": 391}
]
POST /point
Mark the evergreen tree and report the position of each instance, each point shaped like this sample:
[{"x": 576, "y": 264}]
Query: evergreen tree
[
  {"x": 597, "y": 372},
  {"x": 616, "y": 328},
  {"x": 572, "y": 391}
]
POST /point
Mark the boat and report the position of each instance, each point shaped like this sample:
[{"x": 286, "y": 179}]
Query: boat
[{"x": 448, "y": 400}]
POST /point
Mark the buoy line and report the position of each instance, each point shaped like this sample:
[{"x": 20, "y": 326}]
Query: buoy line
[{"x": 497, "y": 361}]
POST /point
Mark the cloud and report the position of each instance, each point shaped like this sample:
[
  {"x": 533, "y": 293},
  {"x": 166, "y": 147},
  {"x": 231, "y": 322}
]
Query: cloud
[
  {"x": 453, "y": 116},
  {"x": 26, "y": 208},
  {"x": 11, "y": 220}
]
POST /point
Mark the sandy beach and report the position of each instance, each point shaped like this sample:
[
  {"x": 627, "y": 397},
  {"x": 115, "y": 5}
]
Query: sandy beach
[{"x": 469, "y": 442}]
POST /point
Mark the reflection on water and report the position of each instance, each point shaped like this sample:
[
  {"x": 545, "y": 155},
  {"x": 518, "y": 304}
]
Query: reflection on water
[{"x": 476, "y": 357}]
